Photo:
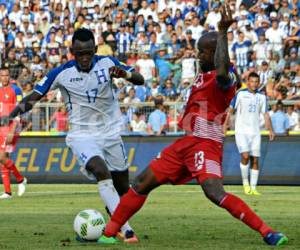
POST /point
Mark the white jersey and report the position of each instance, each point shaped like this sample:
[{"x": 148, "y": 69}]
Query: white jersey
[
  {"x": 248, "y": 108},
  {"x": 90, "y": 99}
]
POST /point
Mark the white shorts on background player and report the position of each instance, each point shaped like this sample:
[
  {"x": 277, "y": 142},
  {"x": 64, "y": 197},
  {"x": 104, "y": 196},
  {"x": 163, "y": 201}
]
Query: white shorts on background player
[
  {"x": 110, "y": 149},
  {"x": 248, "y": 143}
]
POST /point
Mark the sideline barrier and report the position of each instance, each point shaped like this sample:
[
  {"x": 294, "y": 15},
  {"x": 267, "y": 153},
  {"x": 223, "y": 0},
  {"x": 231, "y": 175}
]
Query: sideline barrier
[{"x": 46, "y": 159}]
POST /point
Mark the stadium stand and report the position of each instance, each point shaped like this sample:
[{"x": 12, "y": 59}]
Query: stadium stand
[{"x": 156, "y": 37}]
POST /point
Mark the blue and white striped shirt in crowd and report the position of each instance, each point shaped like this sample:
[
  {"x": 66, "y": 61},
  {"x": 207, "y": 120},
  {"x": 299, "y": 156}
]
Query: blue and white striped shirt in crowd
[
  {"x": 241, "y": 52},
  {"x": 264, "y": 76},
  {"x": 123, "y": 41}
]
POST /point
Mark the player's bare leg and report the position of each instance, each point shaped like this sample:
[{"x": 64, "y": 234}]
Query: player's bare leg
[
  {"x": 214, "y": 190},
  {"x": 97, "y": 166},
  {"x": 130, "y": 203},
  {"x": 121, "y": 181},
  {"x": 244, "y": 165},
  {"x": 254, "y": 173}
]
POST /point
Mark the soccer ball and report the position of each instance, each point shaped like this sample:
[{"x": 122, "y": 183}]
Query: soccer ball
[{"x": 89, "y": 224}]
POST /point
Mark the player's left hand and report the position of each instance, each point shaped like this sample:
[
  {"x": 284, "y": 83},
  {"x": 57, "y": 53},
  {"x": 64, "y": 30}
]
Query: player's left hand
[
  {"x": 117, "y": 72},
  {"x": 226, "y": 19},
  {"x": 271, "y": 135}
]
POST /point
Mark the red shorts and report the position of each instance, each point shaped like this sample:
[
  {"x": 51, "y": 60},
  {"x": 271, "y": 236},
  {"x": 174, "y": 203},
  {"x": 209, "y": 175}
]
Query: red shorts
[
  {"x": 188, "y": 158},
  {"x": 8, "y": 148}
]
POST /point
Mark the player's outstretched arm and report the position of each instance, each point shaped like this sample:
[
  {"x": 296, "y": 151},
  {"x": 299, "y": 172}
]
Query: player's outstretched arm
[
  {"x": 133, "y": 77},
  {"x": 222, "y": 60},
  {"x": 227, "y": 119},
  {"x": 25, "y": 105}
]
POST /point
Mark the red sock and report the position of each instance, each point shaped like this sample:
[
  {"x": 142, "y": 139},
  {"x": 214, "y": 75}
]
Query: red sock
[
  {"x": 11, "y": 166},
  {"x": 129, "y": 204},
  {"x": 240, "y": 210},
  {"x": 5, "y": 173}
]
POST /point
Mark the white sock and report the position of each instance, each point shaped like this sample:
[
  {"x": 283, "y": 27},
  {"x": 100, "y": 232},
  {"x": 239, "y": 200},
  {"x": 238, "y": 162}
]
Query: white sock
[
  {"x": 111, "y": 199},
  {"x": 244, "y": 172},
  {"x": 253, "y": 178}
]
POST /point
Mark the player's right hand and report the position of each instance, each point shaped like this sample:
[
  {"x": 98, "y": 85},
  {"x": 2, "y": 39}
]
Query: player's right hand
[
  {"x": 271, "y": 135},
  {"x": 226, "y": 19}
]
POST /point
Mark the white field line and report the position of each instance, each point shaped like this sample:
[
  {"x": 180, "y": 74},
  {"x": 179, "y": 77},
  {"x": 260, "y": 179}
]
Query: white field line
[{"x": 33, "y": 193}]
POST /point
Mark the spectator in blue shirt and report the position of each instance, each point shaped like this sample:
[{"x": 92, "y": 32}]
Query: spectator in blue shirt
[
  {"x": 163, "y": 66},
  {"x": 157, "y": 119},
  {"x": 280, "y": 120},
  {"x": 169, "y": 90},
  {"x": 142, "y": 92}
]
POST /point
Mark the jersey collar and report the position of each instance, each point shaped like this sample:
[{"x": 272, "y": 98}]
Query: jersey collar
[{"x": 255, "y": 92}]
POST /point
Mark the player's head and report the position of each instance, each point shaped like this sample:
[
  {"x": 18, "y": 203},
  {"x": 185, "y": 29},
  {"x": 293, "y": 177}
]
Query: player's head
[
  {"x": 206, "y": 51},
  {"x": 83, "y": 48},
  {"x": 253, "y": 81},
  {"x": 4, "y": 76},
  {"x": 279, "y": 105}
]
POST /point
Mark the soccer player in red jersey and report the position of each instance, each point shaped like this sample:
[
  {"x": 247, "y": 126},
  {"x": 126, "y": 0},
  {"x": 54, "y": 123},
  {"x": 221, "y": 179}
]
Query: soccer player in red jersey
[
  {"x": 198, "y": 155},
  {"x": 8, "y": 137}
]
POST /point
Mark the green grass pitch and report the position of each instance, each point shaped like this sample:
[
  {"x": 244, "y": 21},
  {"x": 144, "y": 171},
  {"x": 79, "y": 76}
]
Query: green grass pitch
[{"x": 173, "y": 218}]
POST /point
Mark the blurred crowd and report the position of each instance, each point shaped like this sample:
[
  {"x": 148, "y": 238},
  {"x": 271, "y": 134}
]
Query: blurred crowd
[{"x": 156, "y": 37}]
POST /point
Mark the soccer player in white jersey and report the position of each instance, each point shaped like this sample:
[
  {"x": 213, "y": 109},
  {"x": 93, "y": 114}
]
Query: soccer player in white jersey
[
  {"x": 94, "y": 116},
  {"x": 249, "y": 104}
]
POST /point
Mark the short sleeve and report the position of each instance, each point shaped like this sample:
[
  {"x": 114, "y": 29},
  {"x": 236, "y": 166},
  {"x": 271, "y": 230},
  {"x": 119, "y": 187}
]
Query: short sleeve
[
  {"x": 233, "y": 47},
  {"x": 286, "y": 122},
  {"x": 163, "y": 120},
  {"x": 234, "y": 101},
  {"x": 150, "y": 120},
  {"x": 18, "y": 92},
  {"x": 121, "y": 64},
  {"x": 48, "y": 81}
]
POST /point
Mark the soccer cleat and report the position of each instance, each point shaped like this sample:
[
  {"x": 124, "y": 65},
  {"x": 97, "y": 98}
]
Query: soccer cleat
[
  {"x": 247, "y": 189},
  {"x": 120, "y": 236},
  {"x": 79, "y": 239},
  {"x": 5, "y": 196},
  {"x": 107, "y": 240},
  {"x": 130, "y": 237},
  {"x": 254, "y": 192},
  {"x": 276, "y": 239},
  {"x": 22, "y": 187}
]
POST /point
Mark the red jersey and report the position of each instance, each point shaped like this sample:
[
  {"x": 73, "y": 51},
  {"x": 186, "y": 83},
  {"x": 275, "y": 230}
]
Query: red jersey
[
  {"x": 8, "y": 100},
  {"x": 61, "y": 121},
  {"x": 205, "y": 110}
]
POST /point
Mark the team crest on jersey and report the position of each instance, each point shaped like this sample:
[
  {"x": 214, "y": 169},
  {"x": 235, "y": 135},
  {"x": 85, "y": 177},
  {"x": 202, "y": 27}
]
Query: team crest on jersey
[
  {"x": 199, "y": 81},
  {"x": 101, "y": 76},
  {"x": 6, "y": 96}
]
